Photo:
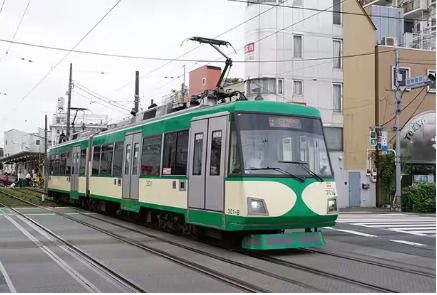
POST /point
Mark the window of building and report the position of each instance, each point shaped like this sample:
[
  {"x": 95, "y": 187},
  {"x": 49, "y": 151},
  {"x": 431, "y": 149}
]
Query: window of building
[
  {"x": 203, "y": 81},
  {"x": 296, "y": 2},
  {"x": 404, "y": 75},
  {"x": 82, "y": 162},
  {"x": 262, "y": 86},
  {"x": 334, "y": 138},
  {"x": 118, "y": 159},
  {"x": 151, "y": 155},
  {"x": 336, "y": 14},
  {"x": 106, "y": 159},
  {"x": 297, "y": 46},
  {"x": 37, "y": 142},
  {"x": 280, "y": 86},
  {"x": 337, "y": 97},
  {"x": 175, "y": 153},
  {"x": 431, "y": 87},
  {"x": 337, "y": 53},
  {"x": 96, "y": 160},
  {"x": 297, "y": 87}
]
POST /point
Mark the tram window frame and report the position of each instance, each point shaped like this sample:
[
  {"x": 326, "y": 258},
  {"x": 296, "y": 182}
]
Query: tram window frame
[
  {"x": 82, "y": 163},
  {"x": 175, "y": 155},
  {"x": 62, "y": 164},
  {"x": 106, "y": 155},
  {"x": 117, "y": 162},
  {"x": 151, "y": 155},
  {"x": 95, "y": 170}
]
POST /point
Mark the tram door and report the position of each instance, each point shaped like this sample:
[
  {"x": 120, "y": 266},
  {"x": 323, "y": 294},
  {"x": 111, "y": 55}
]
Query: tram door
[
  {"x": 207, "y": 163},
  {"x": 131, "y": 166},
  {"x": 74, "y": 178}
]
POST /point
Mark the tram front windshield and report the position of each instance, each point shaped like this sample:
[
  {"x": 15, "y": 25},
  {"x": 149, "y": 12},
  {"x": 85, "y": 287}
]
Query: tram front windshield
[{"x": 277, "y": 145}]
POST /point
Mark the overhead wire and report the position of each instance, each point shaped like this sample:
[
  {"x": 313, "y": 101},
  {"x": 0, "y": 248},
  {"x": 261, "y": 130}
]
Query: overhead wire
[
  {"x": 96, "y": 101},
  {"x": 17, "y": 28},
  {"x": 318, "y": 9},
  {"x": 68, "y": 53}
]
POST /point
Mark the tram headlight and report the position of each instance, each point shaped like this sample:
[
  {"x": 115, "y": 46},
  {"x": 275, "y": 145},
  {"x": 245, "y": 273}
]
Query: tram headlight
[
  {"x": 332, "y": 205},
  {"x": 256, "y": 206}
]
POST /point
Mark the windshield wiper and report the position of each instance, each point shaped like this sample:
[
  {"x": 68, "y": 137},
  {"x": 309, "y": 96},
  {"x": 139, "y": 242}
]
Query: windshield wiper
[
  {"x": 302, "y": 164},
  {"x": 279, "y": 170}
]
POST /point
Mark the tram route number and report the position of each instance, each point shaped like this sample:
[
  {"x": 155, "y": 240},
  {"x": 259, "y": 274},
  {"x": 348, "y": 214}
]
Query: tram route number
[{"x": 233, "y": 211}]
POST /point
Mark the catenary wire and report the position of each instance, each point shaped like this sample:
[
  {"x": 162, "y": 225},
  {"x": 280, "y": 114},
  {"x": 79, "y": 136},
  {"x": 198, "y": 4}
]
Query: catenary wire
[
  {"x": 68, "y": 53},
  {"x": 332, "y": 11}
]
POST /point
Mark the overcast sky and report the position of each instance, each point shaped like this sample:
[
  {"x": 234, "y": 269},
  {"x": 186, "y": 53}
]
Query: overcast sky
[{"x": 134, "y": 27}]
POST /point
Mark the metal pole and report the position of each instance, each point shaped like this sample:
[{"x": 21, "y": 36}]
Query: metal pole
[
  {"x": 137, "y": 91},
  {"x": 183, "y": 87},
  {"x": 69, "y": 101},
  {"x": 46, "y": 161},
  {"x": 398, "y": 96}
]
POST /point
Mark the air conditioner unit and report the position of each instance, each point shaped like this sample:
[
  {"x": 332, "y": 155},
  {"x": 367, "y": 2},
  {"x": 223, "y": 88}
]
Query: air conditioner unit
[{"x": 390, "y": 41}]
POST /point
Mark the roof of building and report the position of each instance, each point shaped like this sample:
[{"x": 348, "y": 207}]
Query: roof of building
[
  {"x": 21, "y": 157},
  {"x": 366, "y": 14}
]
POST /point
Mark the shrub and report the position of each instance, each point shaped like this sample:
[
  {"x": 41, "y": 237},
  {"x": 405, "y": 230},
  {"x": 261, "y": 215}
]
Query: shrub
[{"x": 419, "y": 198}]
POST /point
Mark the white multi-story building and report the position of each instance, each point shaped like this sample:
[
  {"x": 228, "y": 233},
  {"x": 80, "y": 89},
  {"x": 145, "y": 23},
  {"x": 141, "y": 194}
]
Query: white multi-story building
[
  {"x": 17, "y": 141},
  {"x": 80, "y": 121},
  {"x": 299, "y": 48}
]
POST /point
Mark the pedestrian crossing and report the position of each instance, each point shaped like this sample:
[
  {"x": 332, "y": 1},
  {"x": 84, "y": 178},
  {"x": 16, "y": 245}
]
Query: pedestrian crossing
[{"x": 401, "y": 223}]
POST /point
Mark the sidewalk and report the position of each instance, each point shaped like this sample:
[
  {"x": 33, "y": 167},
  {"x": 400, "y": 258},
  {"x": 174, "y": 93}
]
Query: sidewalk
[{"x": 374, "y": 210}]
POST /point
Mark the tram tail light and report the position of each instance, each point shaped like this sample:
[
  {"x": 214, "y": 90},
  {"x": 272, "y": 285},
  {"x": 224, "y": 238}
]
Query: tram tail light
[{"x": 256, "y": 206}]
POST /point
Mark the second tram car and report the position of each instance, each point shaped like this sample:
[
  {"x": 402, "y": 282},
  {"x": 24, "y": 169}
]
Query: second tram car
[{"x": 257, "y": 169}]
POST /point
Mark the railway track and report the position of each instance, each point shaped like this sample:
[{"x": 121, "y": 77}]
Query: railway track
[
  {"x": 127, "y": 285},
  {"x": 244, "y": 286},
  {"x": 281, "y": 262}
]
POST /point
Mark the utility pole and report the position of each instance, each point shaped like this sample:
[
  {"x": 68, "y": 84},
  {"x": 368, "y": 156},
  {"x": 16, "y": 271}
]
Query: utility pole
[
  {"x": 183, "y": 86},
  {"x": 398, "y": 97},
  {"x": 70, "y": 86},
  {"x": 137, "y": 93},
  {"x": 46, "y": 160}
]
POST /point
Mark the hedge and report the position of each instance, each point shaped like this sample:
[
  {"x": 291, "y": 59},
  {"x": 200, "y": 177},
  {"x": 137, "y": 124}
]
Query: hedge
[{"x": 419, "y": 198}]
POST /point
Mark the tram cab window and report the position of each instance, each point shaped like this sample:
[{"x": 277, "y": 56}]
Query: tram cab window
[
  {"x": 106, "y": 159},
  {"x": 282, "y": 146},
  {"x": 118, "y": 158},
  {"x": 151, "y": 155},
  {"x": 96, "y": 160},
  {"x": 175, "y": 153},
  {"x": 234, "y": 158}
]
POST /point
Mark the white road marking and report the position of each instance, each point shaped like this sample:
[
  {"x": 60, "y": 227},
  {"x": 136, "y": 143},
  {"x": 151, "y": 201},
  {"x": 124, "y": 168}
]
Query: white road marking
[
  {"x": 427, "y": 225},
  {"x": 67, "y": 268},
  {"x": 40, "y": 214},
  {"x": 408, "y": 243},
  {"x": 352, "y": 232},
  {"x": 7, "y": 279}
]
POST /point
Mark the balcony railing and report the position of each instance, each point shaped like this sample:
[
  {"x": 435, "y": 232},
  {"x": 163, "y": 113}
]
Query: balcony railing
[{"x": 415, "y": 5}]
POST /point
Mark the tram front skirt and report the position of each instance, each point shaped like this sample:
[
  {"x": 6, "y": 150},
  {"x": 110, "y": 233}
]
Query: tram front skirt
[{"x": 288, "y": 240}]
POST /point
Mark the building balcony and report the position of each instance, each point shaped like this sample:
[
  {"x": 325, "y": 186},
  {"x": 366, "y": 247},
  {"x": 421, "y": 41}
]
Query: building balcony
[
  {"x": 415, "y": 8},
  {"x": 366, "y": 3},
  {"x": 424, "y": 40}
]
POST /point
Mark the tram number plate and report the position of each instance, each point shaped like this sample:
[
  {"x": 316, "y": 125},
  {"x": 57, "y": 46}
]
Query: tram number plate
[
  {"x": 330, "y": 192},
  {"x": 233, "y": 211}
]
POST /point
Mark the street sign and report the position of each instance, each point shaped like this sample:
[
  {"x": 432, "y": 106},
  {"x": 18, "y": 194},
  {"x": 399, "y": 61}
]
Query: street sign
[
  {"x": 384, "y": 141},
  {"x": 416, "y": 81}
]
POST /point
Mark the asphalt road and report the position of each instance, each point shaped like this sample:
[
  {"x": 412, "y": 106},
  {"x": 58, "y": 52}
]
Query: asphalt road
[{"x": 32, "y": 262}]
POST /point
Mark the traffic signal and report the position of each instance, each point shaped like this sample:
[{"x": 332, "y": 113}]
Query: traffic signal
[{"x": 373, "y": 138}]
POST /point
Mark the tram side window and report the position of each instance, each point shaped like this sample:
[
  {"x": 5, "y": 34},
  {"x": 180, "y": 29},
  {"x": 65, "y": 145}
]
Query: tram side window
[
  {"x": 197, "y": 156},
  {"x": 62, "y": 164},
  {"x": 106, "y": 159},
  {"x": 118, "y": 158},
  {"x": 96, "y": 160},
  {"x": 82, "y": 162},
  {"x": 51, "y": 164},
  {"x": 151, "y": 155},
  {"x": 68, "y": 163},
  {"x": 175, "y": 153},
  {"x": 216, "y": 150},
  {"x": 234, "y": 159},
  {"x": 56, "y": 165}
]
